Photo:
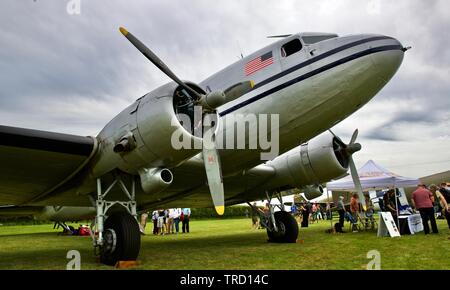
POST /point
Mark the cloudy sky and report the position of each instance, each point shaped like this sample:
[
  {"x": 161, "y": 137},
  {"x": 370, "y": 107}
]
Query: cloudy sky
[{"x": 71, "y": 73}]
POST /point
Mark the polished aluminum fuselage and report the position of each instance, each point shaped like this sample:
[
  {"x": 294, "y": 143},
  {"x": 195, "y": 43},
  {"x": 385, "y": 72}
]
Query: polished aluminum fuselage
[{"x": 311, "y": 91}]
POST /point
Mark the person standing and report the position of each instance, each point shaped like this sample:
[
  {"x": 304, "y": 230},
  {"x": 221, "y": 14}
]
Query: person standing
[
  {"x": 389, "y": 204},
  {"x": 176, "y": 219},
  {"x": 255, "y": 221},
  {"x": 294, "y": 209},
  {"x": 155, "y": 222},
  {"x": 170, "y": 216},
  {"x": 161, "y": 218},
  {"x": 186, "y": 217},
  {"x": 143, "y": 222},
  {"x": 319, "y": 212},
  {"x": 328, "y": 213},
  {"x": 443, "y": 194},
  {"x": 354, "y": 209},
  {"x": 314, "y": 213},
  {"x": 341, "y": 210},
  {"x": 422, "y": 199},
  {"x": 305, "y": 212}
]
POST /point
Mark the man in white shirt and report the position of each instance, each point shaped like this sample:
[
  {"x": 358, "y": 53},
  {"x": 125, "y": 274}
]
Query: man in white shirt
[{"x": 170, "y": 221}]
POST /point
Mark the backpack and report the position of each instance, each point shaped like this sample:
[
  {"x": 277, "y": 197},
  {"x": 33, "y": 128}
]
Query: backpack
[
  {"x": 338, "y": 228},
  {"x": 84, "y": 231},
  {"x": 182, "y": 216}
]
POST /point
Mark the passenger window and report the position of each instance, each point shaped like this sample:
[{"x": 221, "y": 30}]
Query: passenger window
[{"x": 291, "y": 47}]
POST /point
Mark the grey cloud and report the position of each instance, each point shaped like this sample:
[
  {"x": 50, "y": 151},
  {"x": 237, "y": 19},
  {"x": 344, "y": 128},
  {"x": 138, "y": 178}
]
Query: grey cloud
[{"x": 72, "y": 73}]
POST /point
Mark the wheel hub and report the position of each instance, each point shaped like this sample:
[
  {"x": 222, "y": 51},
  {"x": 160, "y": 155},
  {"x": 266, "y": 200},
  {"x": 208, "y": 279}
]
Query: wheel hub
[
  {"x": 109, "y": 241},
  {"x": 281, "y": 229}
]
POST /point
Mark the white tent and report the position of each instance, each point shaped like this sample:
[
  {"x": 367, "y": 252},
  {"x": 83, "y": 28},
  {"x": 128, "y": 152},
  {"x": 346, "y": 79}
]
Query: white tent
[{"x": 373, "y": 177}]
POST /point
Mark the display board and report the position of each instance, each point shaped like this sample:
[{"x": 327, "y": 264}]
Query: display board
[{"x": 387, "y": 227}]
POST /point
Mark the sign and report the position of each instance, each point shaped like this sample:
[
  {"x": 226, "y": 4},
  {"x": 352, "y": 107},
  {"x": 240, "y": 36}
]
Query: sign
[
  {"x": 414, "y": 223},
  {"x": 387, "y": 227}
]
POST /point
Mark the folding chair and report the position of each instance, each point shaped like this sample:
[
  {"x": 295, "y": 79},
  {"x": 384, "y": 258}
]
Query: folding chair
[
  {"x": 367, "y": 221},
  {"x": 354, "y": 225}
]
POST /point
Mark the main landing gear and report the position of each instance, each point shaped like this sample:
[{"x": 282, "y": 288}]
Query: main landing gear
[
  {"x": 281, "y": 226},
  {"x": 118, "y": 237}
]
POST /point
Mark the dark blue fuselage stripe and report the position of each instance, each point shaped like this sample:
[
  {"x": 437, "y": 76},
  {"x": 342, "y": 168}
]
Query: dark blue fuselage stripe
[
  {"x": 318, "y": 58},
  {"x": 310, "y": 74}
]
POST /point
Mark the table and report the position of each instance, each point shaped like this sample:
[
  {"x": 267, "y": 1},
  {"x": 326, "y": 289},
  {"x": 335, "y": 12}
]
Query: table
[{"x": 410, "y": 224}]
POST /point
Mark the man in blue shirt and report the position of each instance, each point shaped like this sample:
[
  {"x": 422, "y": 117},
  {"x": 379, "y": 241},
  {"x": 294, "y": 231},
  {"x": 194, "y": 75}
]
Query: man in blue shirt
[
  {"x": 294, "y": 209},
  {"x": 186, "y": 216}
]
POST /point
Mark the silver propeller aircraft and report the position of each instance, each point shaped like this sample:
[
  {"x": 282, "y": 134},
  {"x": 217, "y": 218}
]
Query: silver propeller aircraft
[{"x": 308, "y": 81}]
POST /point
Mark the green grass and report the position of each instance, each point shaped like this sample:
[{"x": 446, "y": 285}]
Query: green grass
[{"x": 232, "y": 244}]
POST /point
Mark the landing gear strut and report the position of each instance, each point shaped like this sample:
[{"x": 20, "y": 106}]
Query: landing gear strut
[
  {"x": 281, "y": 226},
  {"x": 118, "y": 236}
]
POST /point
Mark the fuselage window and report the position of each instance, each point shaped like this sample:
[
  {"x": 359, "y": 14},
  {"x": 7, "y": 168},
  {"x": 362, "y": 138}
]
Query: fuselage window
[{"x": 291, "y": 47}]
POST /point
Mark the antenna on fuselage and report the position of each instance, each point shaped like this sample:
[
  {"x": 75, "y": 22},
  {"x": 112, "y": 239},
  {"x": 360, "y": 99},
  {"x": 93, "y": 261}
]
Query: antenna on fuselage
[
  {"x": 279, "y": 36},
  {"x": 240, "y": 50}
]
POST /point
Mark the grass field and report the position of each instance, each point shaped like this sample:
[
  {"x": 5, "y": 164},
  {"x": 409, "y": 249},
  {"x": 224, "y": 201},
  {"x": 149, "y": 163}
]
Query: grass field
[{"x": 232, "y": 244}]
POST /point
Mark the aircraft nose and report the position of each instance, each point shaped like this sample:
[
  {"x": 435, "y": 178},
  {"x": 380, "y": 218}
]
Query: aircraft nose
[{"x": 387, "y": 57}]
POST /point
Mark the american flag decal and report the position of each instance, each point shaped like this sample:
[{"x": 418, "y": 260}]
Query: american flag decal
[{"x": 258, "y": 63}]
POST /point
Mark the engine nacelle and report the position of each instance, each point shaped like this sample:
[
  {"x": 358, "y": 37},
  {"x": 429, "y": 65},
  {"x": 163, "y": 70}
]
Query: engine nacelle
[
  {"x": 155, "y": 180},
  {"x": 142, "y": 135},
  {"x": 312, "y": 163},
  {"x": 312, "y": 191}
]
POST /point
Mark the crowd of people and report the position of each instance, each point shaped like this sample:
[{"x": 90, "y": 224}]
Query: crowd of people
[
  {"x": 430, "y": 202},
  {"x": 167, "y": 221}
]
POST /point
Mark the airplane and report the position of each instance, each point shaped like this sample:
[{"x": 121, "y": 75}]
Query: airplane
[{"x": 308, "y": 81}]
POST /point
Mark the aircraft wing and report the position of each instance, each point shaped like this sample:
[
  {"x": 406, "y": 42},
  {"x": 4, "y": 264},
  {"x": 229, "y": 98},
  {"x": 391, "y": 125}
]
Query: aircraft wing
[
  {"x": 34, "y": 162},
  {"x": 17, "y": 211}
]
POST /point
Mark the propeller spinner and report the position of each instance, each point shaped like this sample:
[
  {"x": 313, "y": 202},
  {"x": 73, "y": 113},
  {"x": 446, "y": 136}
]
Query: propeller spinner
[{"x": 347, "y": 150}]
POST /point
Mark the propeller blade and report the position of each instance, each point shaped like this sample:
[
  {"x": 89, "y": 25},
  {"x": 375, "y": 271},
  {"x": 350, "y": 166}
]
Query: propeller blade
[
  {"x": 357, "y": 182},
  {"x": 354, "y": 136},
  {"x": 337, "y": 137},
  {"x": 211, "y": 160},
  {"x": 156, "y": 60}
]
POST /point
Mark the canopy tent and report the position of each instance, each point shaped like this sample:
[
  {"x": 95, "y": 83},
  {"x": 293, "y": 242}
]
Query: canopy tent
[{"x": 373, "y": 177}]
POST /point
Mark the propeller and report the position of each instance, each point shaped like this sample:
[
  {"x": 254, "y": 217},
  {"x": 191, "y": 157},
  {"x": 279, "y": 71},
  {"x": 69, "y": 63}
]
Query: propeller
[
  {"x": 209, "y": 103},
  {"x": 347, "y": 150}
]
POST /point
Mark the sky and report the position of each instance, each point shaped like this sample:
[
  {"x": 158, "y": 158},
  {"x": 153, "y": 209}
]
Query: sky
[{"x": 65, "y": 67}]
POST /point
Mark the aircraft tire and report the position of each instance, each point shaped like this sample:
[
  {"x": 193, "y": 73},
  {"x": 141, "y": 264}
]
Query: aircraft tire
[
  {"x": 128, "y": 239},
  {"x": 288, "y": 227}
]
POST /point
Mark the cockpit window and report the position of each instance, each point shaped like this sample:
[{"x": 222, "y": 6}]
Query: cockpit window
[
  {"x": 317, "y": 38},
  {"x": 291, "y": 47}
]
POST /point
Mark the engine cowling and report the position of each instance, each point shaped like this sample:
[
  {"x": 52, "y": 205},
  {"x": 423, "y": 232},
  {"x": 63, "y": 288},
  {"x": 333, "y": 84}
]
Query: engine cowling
[
  {"x": 141, "y": 135},
  {"x": 309, "y": 165}
]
